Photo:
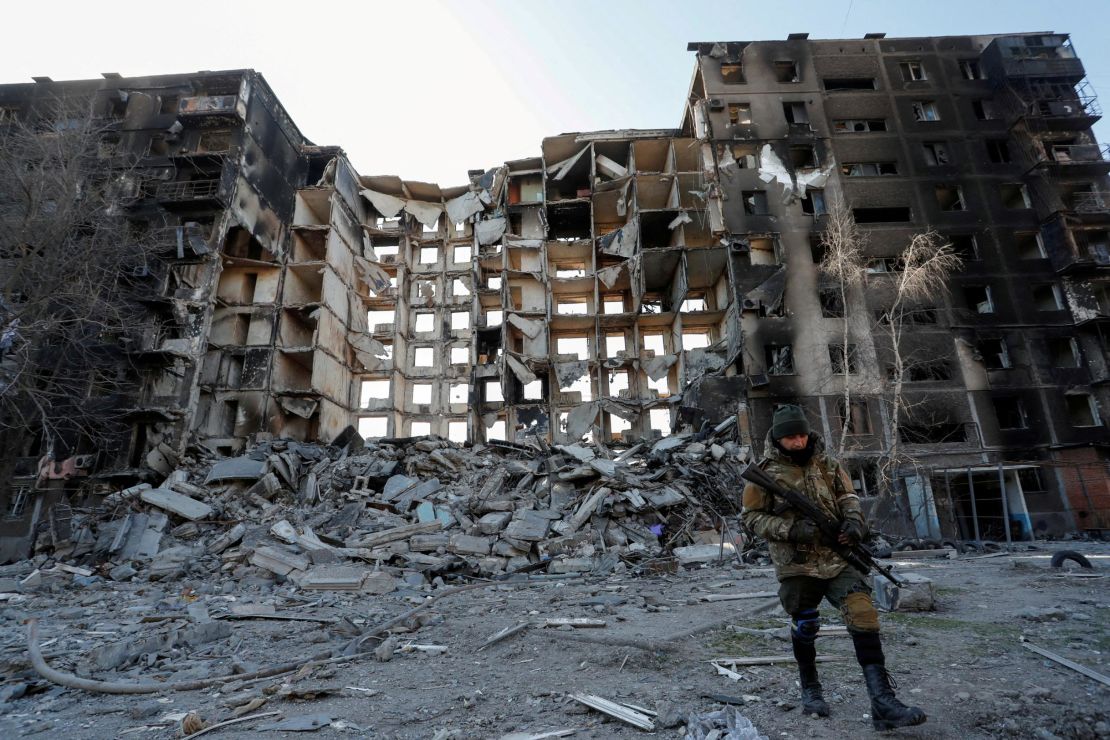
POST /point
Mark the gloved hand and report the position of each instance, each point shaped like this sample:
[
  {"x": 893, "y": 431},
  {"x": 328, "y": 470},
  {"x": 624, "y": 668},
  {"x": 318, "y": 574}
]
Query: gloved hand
[
  {"x": 804, "y": 531},
  {"x": 851, "y": 532}
]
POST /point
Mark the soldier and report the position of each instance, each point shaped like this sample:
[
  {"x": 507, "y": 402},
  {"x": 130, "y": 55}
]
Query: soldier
[{"x": 809, "y": 571}]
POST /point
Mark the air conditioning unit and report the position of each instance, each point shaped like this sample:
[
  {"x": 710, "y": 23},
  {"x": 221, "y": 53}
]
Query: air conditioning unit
[
  {"x": 387, "y": 259},
  {"x": 84, "y": 462},
  {"x": 716, "y": 104},
  {"x": 758, "y": 380}
]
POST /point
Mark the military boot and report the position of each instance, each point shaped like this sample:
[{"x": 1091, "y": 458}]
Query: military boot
[
  {"x": 886, "y": 711},
  {"x": 813, "y": 701}
]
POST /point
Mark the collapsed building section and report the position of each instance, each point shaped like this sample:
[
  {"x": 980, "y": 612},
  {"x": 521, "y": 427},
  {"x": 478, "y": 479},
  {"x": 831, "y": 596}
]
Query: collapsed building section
[{"x": 623, "y": 284}]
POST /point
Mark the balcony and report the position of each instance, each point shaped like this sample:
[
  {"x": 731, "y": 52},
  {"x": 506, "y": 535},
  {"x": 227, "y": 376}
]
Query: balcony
[
  {"x": 1041, "y": 60},
  {"x": 1090, "y": 202},
  {"x": 209, "y": 106},
  {"x": 189, "y": 191},
  {"x": 1075, "y": 160}
]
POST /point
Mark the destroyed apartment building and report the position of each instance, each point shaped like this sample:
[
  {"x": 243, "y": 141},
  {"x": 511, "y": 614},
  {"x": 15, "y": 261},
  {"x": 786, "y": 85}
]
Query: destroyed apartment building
[{"x": 619, "y": 286}]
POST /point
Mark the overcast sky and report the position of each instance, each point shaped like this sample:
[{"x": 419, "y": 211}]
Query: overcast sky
[{"x": 427, "y": 89}]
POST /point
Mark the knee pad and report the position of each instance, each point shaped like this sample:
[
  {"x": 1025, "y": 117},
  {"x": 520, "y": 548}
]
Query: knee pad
[
  {"x": 805, "y": 624},
  {"x": 859, "y": 613}
]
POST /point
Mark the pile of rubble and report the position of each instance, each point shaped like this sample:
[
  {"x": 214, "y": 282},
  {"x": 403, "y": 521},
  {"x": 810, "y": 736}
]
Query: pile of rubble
[{"x": 363, "y": 516}]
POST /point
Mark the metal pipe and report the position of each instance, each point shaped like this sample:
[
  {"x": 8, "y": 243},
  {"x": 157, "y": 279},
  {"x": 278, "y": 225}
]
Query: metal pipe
[
  {"x": 1005, "y": 506},
  {"x": 974, "y": 510}
]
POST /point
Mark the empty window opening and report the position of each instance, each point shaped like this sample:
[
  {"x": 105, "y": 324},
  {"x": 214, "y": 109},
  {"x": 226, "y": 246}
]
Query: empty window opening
[
  {"x": 382, "y": 318},
  {"x": 995, "y": 354},
  {"x": 935, "y": 432},
  {"x": 496, "y": 431},
  {"x": 494, "y": 318},
  {"x": 424, "y": 290},
  {"x": 423, "y": 357},
  {"x": 614, "y": 343},
  {"x": 1011, "y": 413},
  {"x": 425, "y": 322},
  {"x": 732, "y": 73},
  {"x": 979, "y": 299},
  {"x": 458, "y": 393},
  {"x": 786, "y": 70},
  {"x": 618, "y": 383},
  {"x": 795, "y": 112},
  {"x": 869, "y": 169},
  {"x": 779, "y": 359},
  {"x": 836, "y": 84},
  {"x": 660, "y": 420},
  {"x": 460, "y": 320},
  {"x": 432, "y": 228},
  {"x": 459, "y": 288},
  {"x": 814, "y": 202},
  {"x": 762, "y": 251},
  {"x": 859, "y": 125},
  {"x": 755, "y": 202},
  {"x": 384, "y": 251},
  {"x": 493, "y": 282},
  {"x": 970, "y": 69},
  {"x": 660, "y": 387},
  {"x": 1082, "y": 410},
  {"x": 803, "y": 157},
  {"x": 1029, "y": 245},
  {"x": 492, "y": 390},
  {"x": 421, "y": 393},
  {"x": 617, "y": 426},
  {"x": 832, "y": 303},
  {"x": 695, "y": 340},
  {"x": 984, "y": 109},
  {"x": 373, "y": 390},
  {"x": 890, "y": 214},
  {"x": 746, "y": 155},
  {"x": 460, "y": 355},
  {"x": 654, "y": 343},
  {"x": 950, "y": 197},
  {"x": 570, "y": 270},
  {"x": 964, "y": 246},
  {"x": 428, "y": 255},
  {"x": 998, "y": 151},
  {"x": 739, "y": 114},
  {"x": 577, "y": 346},
  {"x": 839, "y": 363},
  {"x": 859, "y": 420},
  {"x": 928, "y": 370},
  {"x": 456, "y": 431},
  {"x": 1063, "y": 352},
  {"x": 420, "y": 429},
  {"x": 371, "y": 427},
  {"x": 1048, "y": 297},
  {"x": 925, "y": 110},
  {"x": 573, "y": 307},
  {"x": 1014, "y": 195},
  {"x": 912, "y": 71},
  {"x": 613, "y": 304},
  {"x": 936, "y": 153},
  {"x": 582, "y": 386},
  {"x": 533, "y": 391},
  {"x": 693, "y": 303},
  {"x": 879, "y": 265},
  {"x": 461, "y": 255}
]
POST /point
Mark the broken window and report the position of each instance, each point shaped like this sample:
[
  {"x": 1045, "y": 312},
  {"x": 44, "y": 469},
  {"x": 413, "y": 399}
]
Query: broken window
[
  {"x": 693, "y": 302},
  {"x": 912, "y": 71},
  {"x": 573, "y": 307},
  {"x": 786, "y": 70},
  {"x": 859, "y": 420},
  {"x": 460, "y": 320},
  {"x": 889, "y": 214},
  {"x": 779, "y": 359},
  {"x": 614, "y": 343},
  {"x": 936, "y": 153},
  {"x": 978, "y": 298},
  {"x": 660, "y": 421},
  {"x": 755, "y": 202},
  {"x": 214, "y": 140},
  {"x": 654, "y": 343},
  {"x": 695, "y": 340},
  {"x": 371, "y": 427},
  {"x": 859, "y": 125},
  {"x": 493, "y": 282},
  {"x": 964, "y": 246},
  {"x": 732, "y": 73},
  {"x": 998, "y": 151},
  {"x": 533, "y": 391},
  {"x": 577, "y": 346},
  {"x": 373, "y": 389},
  {"x": 421, "y": 393},
  {"x": 869, "y": 169},
  {"x": 803, "y": 157},
  {"x": 459, "y": 288},
  {"x": 420, "y": 428},
  {"x": 832, "y": 303},
  {"x": 461, "y": 255},
  {"x": 739, "y": 113},
  {"x": 168, "y": 104},
  {"x": 493, "y": 318},
  {"x": 458, "y": 393},
  {"x": 984, "y": 109},
  {"x": 1063, "y": 352},
  {"x": 456, "y": 431},
  {"x": 380, "y": 320},
  {"x": 950, "y": 198},
  {"x": 795, "y": 112},
  {"x": 838, "y": 361},
  {"x": 927, "y": 371},
  {"x": 936, "y": 432},
  {"x": 1029, "y": 245},
  {"x": 1014, "y": 195},
  {"x": 837, "y": 84},
  {"x": 814, "y": 202},
  {"x": 613, "y": 304},
  {"x": 995, "y": 354},
  {"x": 425, "y": 322},
  {"x": 460, "y": 355},
  {"x": 618, "y": 383},
  {"x": 1048, "y": 297},
  {"x": 762, "y": 251},
  {"x": 746, "y": 156},
  {"x": 1082, "y": 410},
  {"x": 496, "y": 430},
  {"x": 429, "y": 255},
  {"x": 970, "y": 70},
  {"x": 1010, "y": 412},
  {"x": 423, "y": 357},
  {"x": 492, "y": 389},
  {"x": 925, "y": 110}
]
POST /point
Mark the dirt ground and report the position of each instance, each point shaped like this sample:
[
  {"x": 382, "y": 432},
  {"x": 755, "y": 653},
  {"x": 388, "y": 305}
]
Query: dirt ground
[{"x": 963, "y": 663}]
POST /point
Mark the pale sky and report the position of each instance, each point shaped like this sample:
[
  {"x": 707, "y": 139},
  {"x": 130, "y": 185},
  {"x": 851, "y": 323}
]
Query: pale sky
[{"x": 427, "y": 89}]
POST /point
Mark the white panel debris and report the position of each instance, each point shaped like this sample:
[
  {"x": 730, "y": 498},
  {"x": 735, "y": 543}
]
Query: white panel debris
[
  {"x": 491, "y": 229},
  {"x": 426, "y": 213},
  {"x": 387, "y": 205},
  {"x": 461, "y": 208},
  {"x": 531, "y": 328},
  {"x": 520, "y": 370}
]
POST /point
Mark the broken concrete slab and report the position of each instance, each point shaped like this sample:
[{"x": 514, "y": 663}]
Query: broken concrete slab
[
  {"x": 918, "y": 593},
  {"x": 176, "y": 503},
  {"x": 236, "y": 468},
  {"x": 462, "y": 544},
  {"x": 277, "y": 561}
]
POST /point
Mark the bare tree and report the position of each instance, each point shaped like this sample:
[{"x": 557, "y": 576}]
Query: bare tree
[{"x": 66, "y": 251}]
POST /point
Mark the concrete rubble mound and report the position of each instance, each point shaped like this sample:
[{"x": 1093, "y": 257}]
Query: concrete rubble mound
[{"x": 365, "y": 516}]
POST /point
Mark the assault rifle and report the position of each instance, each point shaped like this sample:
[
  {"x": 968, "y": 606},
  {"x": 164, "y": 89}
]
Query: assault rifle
[{"x": 858, "y": 556}]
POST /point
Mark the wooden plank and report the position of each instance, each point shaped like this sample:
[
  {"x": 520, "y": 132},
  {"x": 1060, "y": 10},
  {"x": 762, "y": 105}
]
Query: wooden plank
[
  {"x": 1105, "y": 680},
  {"x": 175, "y": 503},
  {"x": 769, "y": 659},
  {"x": 504, "y": 635},
  {"x": 735, "y": 597},
  {"x": 395, "y": 534},
  {"x": 576, "y": 622},
  {"x": 624, "y": 714}
]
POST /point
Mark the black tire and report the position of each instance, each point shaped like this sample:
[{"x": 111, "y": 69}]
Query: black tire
[
  {"x": 955, "y": 545},
  {"x": 1060, "y": 556},
  {"x": 881, "y": 552}
]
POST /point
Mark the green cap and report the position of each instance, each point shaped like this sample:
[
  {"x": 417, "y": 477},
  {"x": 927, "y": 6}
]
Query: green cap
[{"x": 789, "y": 420}]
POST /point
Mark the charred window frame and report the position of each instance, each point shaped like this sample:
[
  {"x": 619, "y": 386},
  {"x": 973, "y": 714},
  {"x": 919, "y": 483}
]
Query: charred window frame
[
  {"x": 1028, "y": 245},
  {"x": 832, "y": 303},
  {"x": 869, "y": 169},
  {"x": 859, "y": 125},
  {"x": 950, "y": 197},
  {"x": 732, "y": 73},
  {"x": 18, "y": 497},
  {"x": 994, "y": 354},
  {"x": 970, "y": 69},
  {"x": 964, "y": 246},
  {"x": 998, "y": 151},
  {"x": 795, "y": 112},
  {"x": 1015, "y": 195},
  {"x": 925, "y": 111},
  {"x": 839, "y": 362},
  {"x": 859, "y": 418},
  {"x": 739, "y": 114},
  {"x": 779, "y": 359},
  {"x": 1063, "y": 352},
  {"x": 755, "y": 202},
  {"x": 936, "y": 153},
  {"x": 786, "y": 70},
  {"x": 814, "y": 202},
  {"x": 928, "y": 371},
  {"x": 979, "y": 298},
  {"x": 1010, "y": 412},
  {"x": 1048, "y": 297},
  {"x": 1082, "y": 410},
  {"x": 984, "y": 109},
  {"x": 913, "y": 71}
]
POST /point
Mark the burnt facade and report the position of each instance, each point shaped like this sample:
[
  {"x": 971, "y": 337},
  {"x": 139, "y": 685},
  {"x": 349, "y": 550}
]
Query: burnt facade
[{"x": 623, "y": 284}]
